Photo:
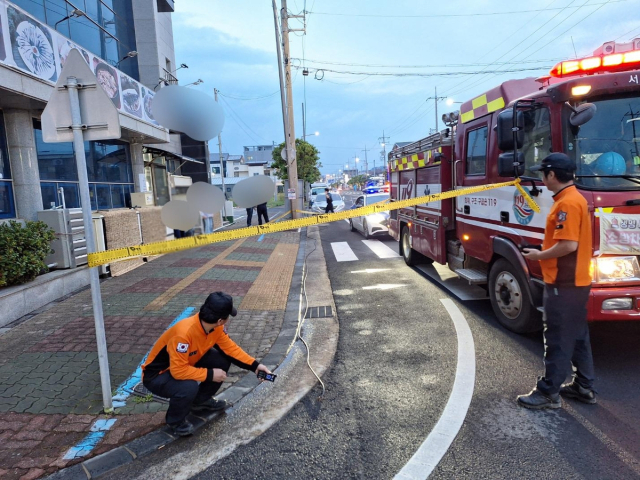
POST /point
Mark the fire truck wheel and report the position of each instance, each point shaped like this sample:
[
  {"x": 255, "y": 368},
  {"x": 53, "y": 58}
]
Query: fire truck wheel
[{"x": 510, "y": 299}]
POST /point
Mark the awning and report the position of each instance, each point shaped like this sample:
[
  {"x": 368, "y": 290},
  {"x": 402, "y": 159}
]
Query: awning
[{"x": 172, "y": 156}]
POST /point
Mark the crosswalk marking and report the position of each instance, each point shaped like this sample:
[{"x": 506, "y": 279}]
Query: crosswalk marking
[
  {"x": 343, "y": 252},
  {"x": 380, "y": 249}
]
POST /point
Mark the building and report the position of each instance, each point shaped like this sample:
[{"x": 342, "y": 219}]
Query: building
[
  {"x": 256, "y": 160},
  {"x": 129, "y": 45}
]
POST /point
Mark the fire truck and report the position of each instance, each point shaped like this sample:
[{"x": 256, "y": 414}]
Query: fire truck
[{"x": 588, "y": 108}]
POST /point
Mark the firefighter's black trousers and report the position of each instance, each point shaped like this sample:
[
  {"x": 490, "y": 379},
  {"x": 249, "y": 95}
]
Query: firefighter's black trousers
[
  {"x": 182, "y": 393},
  {"x": 566, "y": 338}
]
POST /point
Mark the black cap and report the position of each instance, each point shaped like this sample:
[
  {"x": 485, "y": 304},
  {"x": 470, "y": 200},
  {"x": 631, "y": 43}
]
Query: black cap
[
  {"x": 217, "y": 305},
  {"x": 556, "y": 161}
]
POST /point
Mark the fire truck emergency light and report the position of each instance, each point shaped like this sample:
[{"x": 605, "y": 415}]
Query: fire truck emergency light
[{"x": 603, "y": 63}]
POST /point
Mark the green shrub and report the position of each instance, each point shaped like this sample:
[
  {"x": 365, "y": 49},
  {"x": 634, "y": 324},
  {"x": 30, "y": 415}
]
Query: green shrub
[{"x": 23, "y": 250}]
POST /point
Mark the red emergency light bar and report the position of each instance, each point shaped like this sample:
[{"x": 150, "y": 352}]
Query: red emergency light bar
[{"x": 614, "y": 62}]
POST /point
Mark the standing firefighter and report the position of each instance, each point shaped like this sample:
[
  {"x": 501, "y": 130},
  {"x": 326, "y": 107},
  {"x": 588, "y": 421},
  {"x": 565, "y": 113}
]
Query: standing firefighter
[{"x": 564, "y": 259}]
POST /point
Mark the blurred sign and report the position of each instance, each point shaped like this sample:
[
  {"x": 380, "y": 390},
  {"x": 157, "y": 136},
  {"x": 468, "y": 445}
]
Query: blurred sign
[
  {"x": 619, "y": 233},
  {"x": 292, "y": 194}
]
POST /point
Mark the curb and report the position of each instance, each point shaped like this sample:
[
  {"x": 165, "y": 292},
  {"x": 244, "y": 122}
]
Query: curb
[{"x": 149, "y": 443}]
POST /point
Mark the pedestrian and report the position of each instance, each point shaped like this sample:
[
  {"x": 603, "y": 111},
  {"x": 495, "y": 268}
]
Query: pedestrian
[
  {"x": 249, "y": 216},
  {"x": 329, "y": 199},
  {"x": 262, "y": 213},
  {"x": 565, "y": 259},
  {"x": 190, "y": 360}
]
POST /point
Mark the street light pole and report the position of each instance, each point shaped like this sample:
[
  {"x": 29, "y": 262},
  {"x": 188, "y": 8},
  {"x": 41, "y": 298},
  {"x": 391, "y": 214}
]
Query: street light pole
[{"x": 435, "y": 98}]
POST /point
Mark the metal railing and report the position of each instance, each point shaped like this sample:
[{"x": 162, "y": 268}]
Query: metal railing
[{"x": 169, "y": 78}]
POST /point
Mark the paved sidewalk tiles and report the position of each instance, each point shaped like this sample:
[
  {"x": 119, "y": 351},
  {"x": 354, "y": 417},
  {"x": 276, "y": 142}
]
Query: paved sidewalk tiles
[{"x": 50, "y": 393}]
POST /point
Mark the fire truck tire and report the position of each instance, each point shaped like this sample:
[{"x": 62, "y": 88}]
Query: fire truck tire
[
  {"x": 511, "y": 300},
  {"x": 408, "y": 253}
]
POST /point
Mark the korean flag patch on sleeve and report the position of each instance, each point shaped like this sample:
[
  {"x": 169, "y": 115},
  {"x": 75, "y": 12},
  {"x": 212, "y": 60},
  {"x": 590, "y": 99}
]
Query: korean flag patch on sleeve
[{"x": 182, "y": 348}]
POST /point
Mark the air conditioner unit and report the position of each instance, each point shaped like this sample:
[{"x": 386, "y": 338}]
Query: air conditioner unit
[
  {"x": 177, "y": 181},
  {"x": 140, "y": 199},
  {"x": 70, "y": 246}
]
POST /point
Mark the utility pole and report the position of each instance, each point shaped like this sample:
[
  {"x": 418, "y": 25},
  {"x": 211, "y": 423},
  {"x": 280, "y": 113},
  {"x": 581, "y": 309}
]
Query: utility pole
[
  {"x": 304, "y": 122},
  {"x": 366, "y": 162},
  {"x": 383, "y": 143},
  {"x": 435, "y": 98},
  {"x": 224, "y": 190},
  {"x": 290, "y": 136}
]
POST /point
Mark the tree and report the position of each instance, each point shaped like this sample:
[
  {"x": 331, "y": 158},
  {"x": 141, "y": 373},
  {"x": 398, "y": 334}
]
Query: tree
[
  {"x": 358, "y": 180},
  {"x": 308, "y": 158}
]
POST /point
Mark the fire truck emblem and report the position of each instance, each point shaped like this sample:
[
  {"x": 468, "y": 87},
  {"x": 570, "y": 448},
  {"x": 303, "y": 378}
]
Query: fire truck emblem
[
  {"x": 408, "y": 190},
  {"x": 521, "y": 209}
]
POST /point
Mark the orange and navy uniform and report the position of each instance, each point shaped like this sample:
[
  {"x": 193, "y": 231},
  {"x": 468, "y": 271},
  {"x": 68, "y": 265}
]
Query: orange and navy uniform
[
  {"x": 569, "y": 219},
  {"x": 183, "y": 345}
]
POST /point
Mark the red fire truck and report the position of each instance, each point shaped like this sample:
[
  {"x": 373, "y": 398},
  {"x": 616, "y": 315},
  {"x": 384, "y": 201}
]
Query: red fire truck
[{"x": 587, "y": 108}]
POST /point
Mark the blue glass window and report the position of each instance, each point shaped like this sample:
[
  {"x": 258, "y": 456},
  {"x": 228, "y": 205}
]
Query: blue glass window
[
  {"x": 7, "y": 209},
  {"x": 51, "y": 195},
  {"x": 104, "y": 196},
  {"x": 34, "y": 7}
]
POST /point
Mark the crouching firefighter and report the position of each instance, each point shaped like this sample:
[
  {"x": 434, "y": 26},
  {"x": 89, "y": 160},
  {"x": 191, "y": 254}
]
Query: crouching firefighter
[{"x": 189, "y": 362}]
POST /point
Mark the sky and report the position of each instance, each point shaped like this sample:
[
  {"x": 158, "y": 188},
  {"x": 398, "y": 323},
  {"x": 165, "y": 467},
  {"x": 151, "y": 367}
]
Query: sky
[{"x": 420, "y": 46}]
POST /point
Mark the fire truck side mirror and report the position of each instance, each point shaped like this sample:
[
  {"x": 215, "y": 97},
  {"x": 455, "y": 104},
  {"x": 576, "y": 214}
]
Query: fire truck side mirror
[
  {"x": 506, "y": 125},
  {"x": 510, "y": 165}
]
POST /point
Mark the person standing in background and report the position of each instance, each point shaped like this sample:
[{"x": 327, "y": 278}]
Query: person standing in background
[
  {"x": 329, "y": 207},
  {"x": 249, "y": 216},
  {"x": 262, "y": 213}
]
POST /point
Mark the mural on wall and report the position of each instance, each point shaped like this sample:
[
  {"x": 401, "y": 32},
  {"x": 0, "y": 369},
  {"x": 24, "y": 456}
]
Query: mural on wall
[
  {"x": 39, "y": 51},
  {"x": 31, "y": 45}
]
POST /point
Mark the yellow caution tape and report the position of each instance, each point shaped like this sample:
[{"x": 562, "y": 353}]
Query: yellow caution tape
[{"x": 170, "y": 246}]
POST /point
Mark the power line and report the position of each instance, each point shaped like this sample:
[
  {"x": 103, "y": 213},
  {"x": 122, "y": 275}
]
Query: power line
[
  {"x": 452, "y": 65},
  {"x": 416, "y": 74},
  {"x": 231, "y": 110},
  {"x": 454, "y": 15},
  {"x": 250, "y": 98}
]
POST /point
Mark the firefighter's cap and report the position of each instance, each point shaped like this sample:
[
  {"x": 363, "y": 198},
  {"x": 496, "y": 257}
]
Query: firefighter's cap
[
  {"x": 556, "y": 161},
  {"x": 218, "y": 305}
]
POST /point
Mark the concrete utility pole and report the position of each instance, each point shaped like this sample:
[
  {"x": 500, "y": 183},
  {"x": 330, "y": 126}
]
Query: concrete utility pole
[
  {"x": 383, "y": 143},
  {"x": 290, "y": 137},
  {"x": 435, "y": 98},
  {"x": 224, "y": 190},
  {"x": 366, "y": 162}
]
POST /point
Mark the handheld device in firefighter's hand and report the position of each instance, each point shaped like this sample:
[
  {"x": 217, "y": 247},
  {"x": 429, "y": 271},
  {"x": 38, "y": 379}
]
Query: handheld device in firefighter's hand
[{"x": 269, "y": 377}]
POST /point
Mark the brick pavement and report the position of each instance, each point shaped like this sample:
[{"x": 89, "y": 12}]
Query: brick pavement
[{"x": 49, "y": 377}]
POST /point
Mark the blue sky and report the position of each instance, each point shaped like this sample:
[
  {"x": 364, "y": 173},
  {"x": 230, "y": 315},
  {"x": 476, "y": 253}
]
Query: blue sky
[{"x": 230, "y": 44}]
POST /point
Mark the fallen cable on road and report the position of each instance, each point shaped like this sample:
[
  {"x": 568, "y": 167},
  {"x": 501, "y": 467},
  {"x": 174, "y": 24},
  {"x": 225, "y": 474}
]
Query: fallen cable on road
[{"x": 170, "y": 246}]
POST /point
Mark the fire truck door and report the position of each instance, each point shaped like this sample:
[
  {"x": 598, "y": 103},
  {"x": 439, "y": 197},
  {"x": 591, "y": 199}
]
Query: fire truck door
[{"x": 429, "y": 216}]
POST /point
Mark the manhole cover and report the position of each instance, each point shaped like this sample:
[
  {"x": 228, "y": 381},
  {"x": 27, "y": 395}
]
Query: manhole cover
[
  {"x": 141, "y": 391},
  {"x": 319, "y": 312}
]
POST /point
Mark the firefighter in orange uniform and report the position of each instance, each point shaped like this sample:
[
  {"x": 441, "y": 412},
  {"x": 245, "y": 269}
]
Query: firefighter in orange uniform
[
  {"x": 565, "y": 259},
  {"x": 189, "y": 362}
]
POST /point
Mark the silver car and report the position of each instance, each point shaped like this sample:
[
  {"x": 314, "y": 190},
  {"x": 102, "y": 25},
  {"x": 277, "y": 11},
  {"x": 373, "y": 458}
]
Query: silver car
[
  {"x": 321, "y": 203},
  {"x": 375, "y": 223}
]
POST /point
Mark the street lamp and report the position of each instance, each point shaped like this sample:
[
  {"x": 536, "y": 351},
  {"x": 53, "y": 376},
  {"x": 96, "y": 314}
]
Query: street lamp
[
  {"x": 131, "y": 54},
  {"x": 357, "y": 160},
  {"x": 197, "y": 82},
  {"x": 311, "y": 135},
  {"x": 450, "y": 101}
]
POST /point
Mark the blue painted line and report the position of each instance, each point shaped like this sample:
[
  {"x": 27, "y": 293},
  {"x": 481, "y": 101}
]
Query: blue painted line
[
  {"x": 261, "y": 237},
  {"x": 100, "y": 427},
  {"x": 125, "y": 389}
]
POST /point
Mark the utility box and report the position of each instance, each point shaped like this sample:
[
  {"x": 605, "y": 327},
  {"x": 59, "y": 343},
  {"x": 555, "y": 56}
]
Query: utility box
[
  {"x": 70, "y": 246},
  {"x": 228, "y": 207},
  {"x": 141, "y": 199}
]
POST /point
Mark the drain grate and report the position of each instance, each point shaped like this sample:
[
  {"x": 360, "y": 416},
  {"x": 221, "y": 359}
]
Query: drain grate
[
  {"x": 319, "y": 312},
  {"x": 141, "y": 391}
]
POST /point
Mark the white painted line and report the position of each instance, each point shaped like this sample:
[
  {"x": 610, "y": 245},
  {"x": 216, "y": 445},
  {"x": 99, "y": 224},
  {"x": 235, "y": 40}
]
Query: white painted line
[
  {"x": 343, "y": 252},
  {"x": 346, "y": 220},
  {"x": 427, "y": 457},
  {"x": 380, "y": 249}
]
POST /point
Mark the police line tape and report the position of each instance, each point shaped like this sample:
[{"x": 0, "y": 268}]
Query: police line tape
[{"x": 170, "y": 246}]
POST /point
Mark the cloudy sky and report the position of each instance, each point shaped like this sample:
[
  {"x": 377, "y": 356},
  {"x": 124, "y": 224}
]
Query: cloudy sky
[{"x": 373, "y": 65}]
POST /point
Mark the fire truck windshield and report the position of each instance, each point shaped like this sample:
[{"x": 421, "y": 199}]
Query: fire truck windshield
[{"x": 607, "y": 148}]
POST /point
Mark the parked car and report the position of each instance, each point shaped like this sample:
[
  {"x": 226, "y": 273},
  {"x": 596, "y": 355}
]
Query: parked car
[
  {"x": 321, "y": 203},
  {"x": 375, "y": 223}
]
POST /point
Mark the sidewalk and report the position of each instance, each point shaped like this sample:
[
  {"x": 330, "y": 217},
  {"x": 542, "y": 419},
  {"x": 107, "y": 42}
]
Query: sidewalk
[{"x": 50, "y": 397}]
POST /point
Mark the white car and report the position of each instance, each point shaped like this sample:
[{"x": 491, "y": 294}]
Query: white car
[
  {"x": 375, "y": 223},
  {"x": 315, "y": 191},
  {"x": 321, "y": 203}
]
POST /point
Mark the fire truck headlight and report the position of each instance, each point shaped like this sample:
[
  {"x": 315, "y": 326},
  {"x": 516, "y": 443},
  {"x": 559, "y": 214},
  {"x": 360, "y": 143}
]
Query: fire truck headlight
[
  {"x": 618, "y": 304},
  {"x": 616, "y": 269}
]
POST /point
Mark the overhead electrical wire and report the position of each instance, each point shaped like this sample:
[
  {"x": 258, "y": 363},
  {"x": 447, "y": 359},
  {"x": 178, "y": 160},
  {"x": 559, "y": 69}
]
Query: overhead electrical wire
[
  {"x": 451, "y": 65},
  {"x": 239, "y": 120},
  {"x": 416, "y": 74},
  {"x": 454, "y": 15}
]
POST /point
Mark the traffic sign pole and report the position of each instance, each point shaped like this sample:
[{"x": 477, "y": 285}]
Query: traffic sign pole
[{"x": 96, "y": 297}]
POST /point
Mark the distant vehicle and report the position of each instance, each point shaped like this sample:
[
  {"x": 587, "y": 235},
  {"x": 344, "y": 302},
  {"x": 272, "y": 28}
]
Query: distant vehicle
[
  {"x": 321, "y": 203},
  {"x": 375, "y": 223},
  {"x": 378, "y": 188}
]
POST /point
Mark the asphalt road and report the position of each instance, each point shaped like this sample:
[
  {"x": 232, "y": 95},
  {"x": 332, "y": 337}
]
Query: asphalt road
[{"x": 392, "y": 376}]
